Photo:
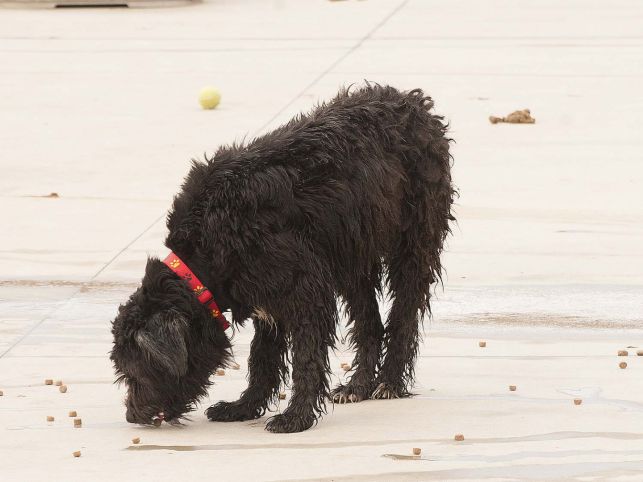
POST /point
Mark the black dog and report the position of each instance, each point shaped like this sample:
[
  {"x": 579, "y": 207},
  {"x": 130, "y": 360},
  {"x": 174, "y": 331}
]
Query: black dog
[{"x": 331, "y": 204}]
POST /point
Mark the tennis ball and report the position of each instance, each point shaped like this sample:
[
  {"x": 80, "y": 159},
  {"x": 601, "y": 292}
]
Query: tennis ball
[{"x": 209, "y": 97}]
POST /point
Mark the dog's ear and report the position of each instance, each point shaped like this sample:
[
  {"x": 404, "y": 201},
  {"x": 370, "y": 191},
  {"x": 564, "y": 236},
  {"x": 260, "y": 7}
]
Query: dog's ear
[{"x": 163, "y": 342}]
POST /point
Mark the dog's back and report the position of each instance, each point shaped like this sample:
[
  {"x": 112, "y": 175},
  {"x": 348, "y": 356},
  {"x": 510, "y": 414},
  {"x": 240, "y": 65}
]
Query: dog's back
[{"x": 359, "y": 178}]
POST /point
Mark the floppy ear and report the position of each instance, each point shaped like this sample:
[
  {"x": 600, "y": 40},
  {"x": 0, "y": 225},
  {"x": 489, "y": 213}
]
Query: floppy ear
[{"x": 163, "y": 342}]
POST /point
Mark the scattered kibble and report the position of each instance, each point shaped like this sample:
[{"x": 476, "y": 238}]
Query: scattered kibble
[
  {"x": 639, "y": 352},
  {"x": 623, "y": 365},
  {"x": 62, "y": 388},
  {"x": 482, "y": 344},
  {"x": 577, "y": 401},
  {"x": 136, "y": 440},
  {"x": 282, "y": 396},
  {"x": 77, "y": 453},
  {"x": 50, "y": 418},
  {"x": 220, "y": 372},
  {"x": 417, "y": 451},
  {"x": 622, "y": 353},
  {"x": 78, "y": 423},
  {"x": 512, "y": 388},
  {"x": 73, "y": 413},
  {"x": 58, "y": 383},
  {"x": 459, "y": 437},
  {"x": 1, "y": 393},
  {"x": 49, "y": 381}
]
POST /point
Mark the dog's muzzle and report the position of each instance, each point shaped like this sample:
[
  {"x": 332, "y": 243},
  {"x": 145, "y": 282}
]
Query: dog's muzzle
[{"x": 155, "y": 420}]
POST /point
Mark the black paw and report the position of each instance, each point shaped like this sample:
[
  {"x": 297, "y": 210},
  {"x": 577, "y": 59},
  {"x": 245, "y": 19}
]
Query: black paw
[
  {"x": 289, "y": 423},
  {"x": 388, "y": 391},
  {"x": 351, "y": 393},
  {"x": 233, "y": 412}
]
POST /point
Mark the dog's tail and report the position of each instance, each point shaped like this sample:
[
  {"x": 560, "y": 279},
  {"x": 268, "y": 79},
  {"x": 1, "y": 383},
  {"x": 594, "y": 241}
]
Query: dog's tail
[{"x": 426, "y": 208}]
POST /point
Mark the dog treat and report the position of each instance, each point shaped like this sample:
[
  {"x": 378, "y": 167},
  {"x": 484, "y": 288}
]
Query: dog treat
[
  {"x": 417, "y": 451},
  {"x": 136, "y": 440},
  {"x": 58, "y": 383},
  {"x": 73, "y": 413},
  {"x": 282, "y": 396},
  {"x": 577, "y": 401},
  {"x": 516, "y": 117},
  {"x": 639, "y": 352},
  {"x": 512, "y": 388},
  {"x": 77, "y": 453},
  {"x": 623, "y": 353},
  {"x": 347, "y": 367},
  {"x": 220, "y": 372},
  {"x": 458, "y": 437},
  {"x": 482, "y": 344},
  {"x": 49, "y": 381},
  {"x": 50, "y": 418},
  {"x": 62, "y": 388},
  {"x": 622, "y": 364},
  {"x": 78, "y": 422},
  {"x": 1, "y": 393}
]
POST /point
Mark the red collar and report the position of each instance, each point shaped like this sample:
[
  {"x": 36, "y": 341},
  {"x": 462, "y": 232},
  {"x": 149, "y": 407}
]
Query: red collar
[{"x": 201, "y": 292}]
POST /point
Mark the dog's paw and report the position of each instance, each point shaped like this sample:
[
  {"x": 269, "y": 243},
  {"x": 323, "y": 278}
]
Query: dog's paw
[
  {"x": 387, "y": 391},
  {"x": 350, "y": 393},
  {"x": 289, "y": 423},
  {"x": 233, "y": 412}
]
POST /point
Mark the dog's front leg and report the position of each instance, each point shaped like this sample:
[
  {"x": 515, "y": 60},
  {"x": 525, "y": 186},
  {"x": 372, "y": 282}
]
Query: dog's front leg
[
  {"x": 312, "y": 329},
  {"x": 266, "y": 369}
]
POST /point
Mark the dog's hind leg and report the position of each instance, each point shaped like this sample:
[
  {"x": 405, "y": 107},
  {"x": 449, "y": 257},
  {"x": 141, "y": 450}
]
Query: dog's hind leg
[
  {"x": 267, "y": 369},
  {"x": 414, "y": 260},
  {"x": 401, "y": 340},
  {"x": 366, "y": 335},
  {"x": 413, "y": 267}
]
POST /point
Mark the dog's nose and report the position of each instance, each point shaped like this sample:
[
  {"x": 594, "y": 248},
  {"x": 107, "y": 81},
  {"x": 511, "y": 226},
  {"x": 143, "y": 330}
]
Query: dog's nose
[{"x": 129, "y": 416}]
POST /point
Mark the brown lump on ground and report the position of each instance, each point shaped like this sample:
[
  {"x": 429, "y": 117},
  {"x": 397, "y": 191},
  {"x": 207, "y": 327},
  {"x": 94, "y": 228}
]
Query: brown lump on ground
[{"x": 516, "y": 117}]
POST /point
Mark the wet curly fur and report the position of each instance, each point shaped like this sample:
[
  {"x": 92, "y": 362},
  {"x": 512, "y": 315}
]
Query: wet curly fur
[{"x": 346, "y": 201}]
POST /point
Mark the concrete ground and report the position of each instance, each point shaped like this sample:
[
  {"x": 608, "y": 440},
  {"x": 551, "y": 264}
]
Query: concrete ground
[{"x": 546, "y": 263}]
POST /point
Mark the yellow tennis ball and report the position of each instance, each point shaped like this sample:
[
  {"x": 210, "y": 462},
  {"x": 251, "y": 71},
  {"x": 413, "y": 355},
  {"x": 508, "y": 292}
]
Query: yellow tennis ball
[{"x": 209, "y": 97}]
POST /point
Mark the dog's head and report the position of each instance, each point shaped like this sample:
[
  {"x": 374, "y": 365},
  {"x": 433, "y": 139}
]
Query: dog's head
[{"x": 166, "y": 346}]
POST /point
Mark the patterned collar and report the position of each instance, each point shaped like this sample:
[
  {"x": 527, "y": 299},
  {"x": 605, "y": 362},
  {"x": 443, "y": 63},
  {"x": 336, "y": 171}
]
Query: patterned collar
[{"x": 201, "y": 292}]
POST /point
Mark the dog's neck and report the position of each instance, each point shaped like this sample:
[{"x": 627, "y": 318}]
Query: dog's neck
[{"x": 202, "y": 293}]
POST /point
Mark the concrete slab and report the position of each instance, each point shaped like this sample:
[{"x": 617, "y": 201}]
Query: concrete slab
[{"x": 545, "y": 264}]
